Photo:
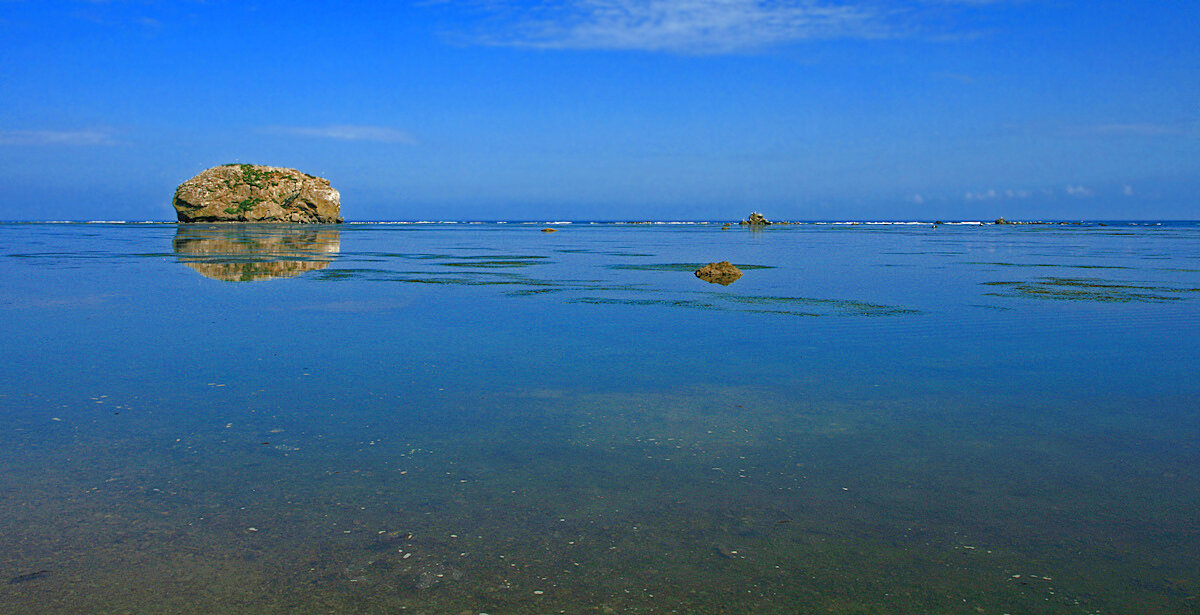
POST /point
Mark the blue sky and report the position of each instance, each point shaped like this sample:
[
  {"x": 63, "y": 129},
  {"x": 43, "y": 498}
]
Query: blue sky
[{"x": 610, "y": 109}]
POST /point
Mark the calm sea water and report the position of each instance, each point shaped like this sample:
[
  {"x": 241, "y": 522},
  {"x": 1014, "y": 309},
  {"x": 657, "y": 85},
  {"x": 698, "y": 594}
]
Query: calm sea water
[{"x": 438, "y": 418}]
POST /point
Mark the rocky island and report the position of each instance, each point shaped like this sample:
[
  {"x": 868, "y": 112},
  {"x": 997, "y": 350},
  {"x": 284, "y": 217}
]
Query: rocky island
[
  {"x": 755, "y": 219},
  {"x": 257, "y": 193}
]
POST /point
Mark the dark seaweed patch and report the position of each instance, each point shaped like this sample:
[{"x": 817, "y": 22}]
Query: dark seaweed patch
[
  {"x": 427, "y": 256},
  {"x": 789, "y": 306},
  {"x": 677, "y": 266},
  {"x": 334, "y": 275},
  {"x": 600, "y": 252},
  {"x": 472, "y": 281},
  {"x": 784, "y": 312},
  {"x": 529, "y": 292},
  {"x": 688, "y": 303},
  {"x": 840, "y": 306},
  {"x": 27, "y": 577},
  {"x": 506, "y": 257},
  {"x": 1059, "y": 265},
  {"x": 1088, "y": 289},
  {"x": 497, "y": 264}
]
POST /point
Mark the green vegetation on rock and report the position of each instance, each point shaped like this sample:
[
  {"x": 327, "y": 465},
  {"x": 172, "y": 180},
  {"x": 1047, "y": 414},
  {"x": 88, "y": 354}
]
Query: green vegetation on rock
[{"x": 244, "y": 205}]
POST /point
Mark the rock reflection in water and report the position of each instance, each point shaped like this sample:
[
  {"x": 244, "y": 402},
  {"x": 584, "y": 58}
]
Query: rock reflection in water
[{"x": 249, "y": 253}]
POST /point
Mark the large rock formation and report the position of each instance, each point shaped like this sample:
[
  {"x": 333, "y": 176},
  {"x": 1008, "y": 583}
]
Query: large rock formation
[
  {"x": 723, "y": 273},
  {"x": 255, "y": 193}
]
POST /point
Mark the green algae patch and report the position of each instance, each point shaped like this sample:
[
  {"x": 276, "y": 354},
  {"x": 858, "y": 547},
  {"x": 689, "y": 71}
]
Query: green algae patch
[
  {"x": 337, "y": 275},
  {"x": 1088, "y": 289},
  {"x": 848, "y": 307},
  {"x": 529, "y": 292},
  {"x": 496, "y": 280},
  {"x": 785, "y": 306},
  {"x": 688, "y": 303},
  {"x": 600, "y": 252},
  {"x": 493, "y": 264},
  {"x": 1054, "y": 265}
]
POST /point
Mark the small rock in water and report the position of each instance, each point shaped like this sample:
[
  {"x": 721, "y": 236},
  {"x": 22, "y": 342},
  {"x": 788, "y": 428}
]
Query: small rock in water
[{"x": 723, "y": 273}]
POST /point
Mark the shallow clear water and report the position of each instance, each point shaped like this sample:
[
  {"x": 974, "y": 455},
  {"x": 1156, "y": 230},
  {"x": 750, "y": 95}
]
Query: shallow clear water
[{"x": 490, "y": 419}]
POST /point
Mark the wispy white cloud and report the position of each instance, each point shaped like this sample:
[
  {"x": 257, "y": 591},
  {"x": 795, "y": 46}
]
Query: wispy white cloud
[
  {"x": 959, "y": 77},
  {"x": 56, "y": 137},
  {"x": 347, "y": 132},
  {"x": 972, "y": 2},
  {"x": 688, "y": 26},
  {"x": 994, "y": 195},
  {"x": 1011, "y": 194},
  {"x": 988, "y": 195},
  {"x": 1138, "y": 129},
  {"x": 1134, "y": 129},
  {"x": 697, "y": 26}
]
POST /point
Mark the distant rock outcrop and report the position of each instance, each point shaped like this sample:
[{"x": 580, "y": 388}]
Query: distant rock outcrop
[
  {"x": 755, "y": 219},
  {"x": 255, "y": 193},
  {"x": 723, "y": 273}
]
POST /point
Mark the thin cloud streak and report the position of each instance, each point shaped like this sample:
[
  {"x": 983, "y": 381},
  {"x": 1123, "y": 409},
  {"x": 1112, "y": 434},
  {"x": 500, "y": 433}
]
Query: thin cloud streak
[
  {"x": 55, "y": 137},
  {"x": 698, "y": 26},
  {"x": 684, "y": 26},
  {"x": 346, "y": 132},
  {"x": 1138, "y": 129},
  {"x": 1070, "y": 190}
]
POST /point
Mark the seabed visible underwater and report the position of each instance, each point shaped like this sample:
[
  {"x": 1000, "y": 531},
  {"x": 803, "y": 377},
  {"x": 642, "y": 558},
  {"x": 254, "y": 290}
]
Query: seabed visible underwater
[{"x": 438, "y": 418}]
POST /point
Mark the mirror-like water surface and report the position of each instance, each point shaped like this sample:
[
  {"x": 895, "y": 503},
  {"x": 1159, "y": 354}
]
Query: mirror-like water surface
[{"x": 490, "y": 419}]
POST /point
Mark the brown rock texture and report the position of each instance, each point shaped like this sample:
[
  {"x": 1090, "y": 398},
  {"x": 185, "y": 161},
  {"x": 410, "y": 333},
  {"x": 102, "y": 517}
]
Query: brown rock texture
[
  {"x": 256, "y": 193},
  {"x": 723, "y": 273}
]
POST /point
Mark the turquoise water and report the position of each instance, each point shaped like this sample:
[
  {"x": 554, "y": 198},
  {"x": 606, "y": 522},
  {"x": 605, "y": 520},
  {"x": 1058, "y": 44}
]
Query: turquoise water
[{"x": 485, "y": 418}]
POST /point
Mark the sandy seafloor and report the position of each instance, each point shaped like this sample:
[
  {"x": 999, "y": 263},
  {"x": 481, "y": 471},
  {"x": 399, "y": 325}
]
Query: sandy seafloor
[{"x": 485, "y": 418}]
